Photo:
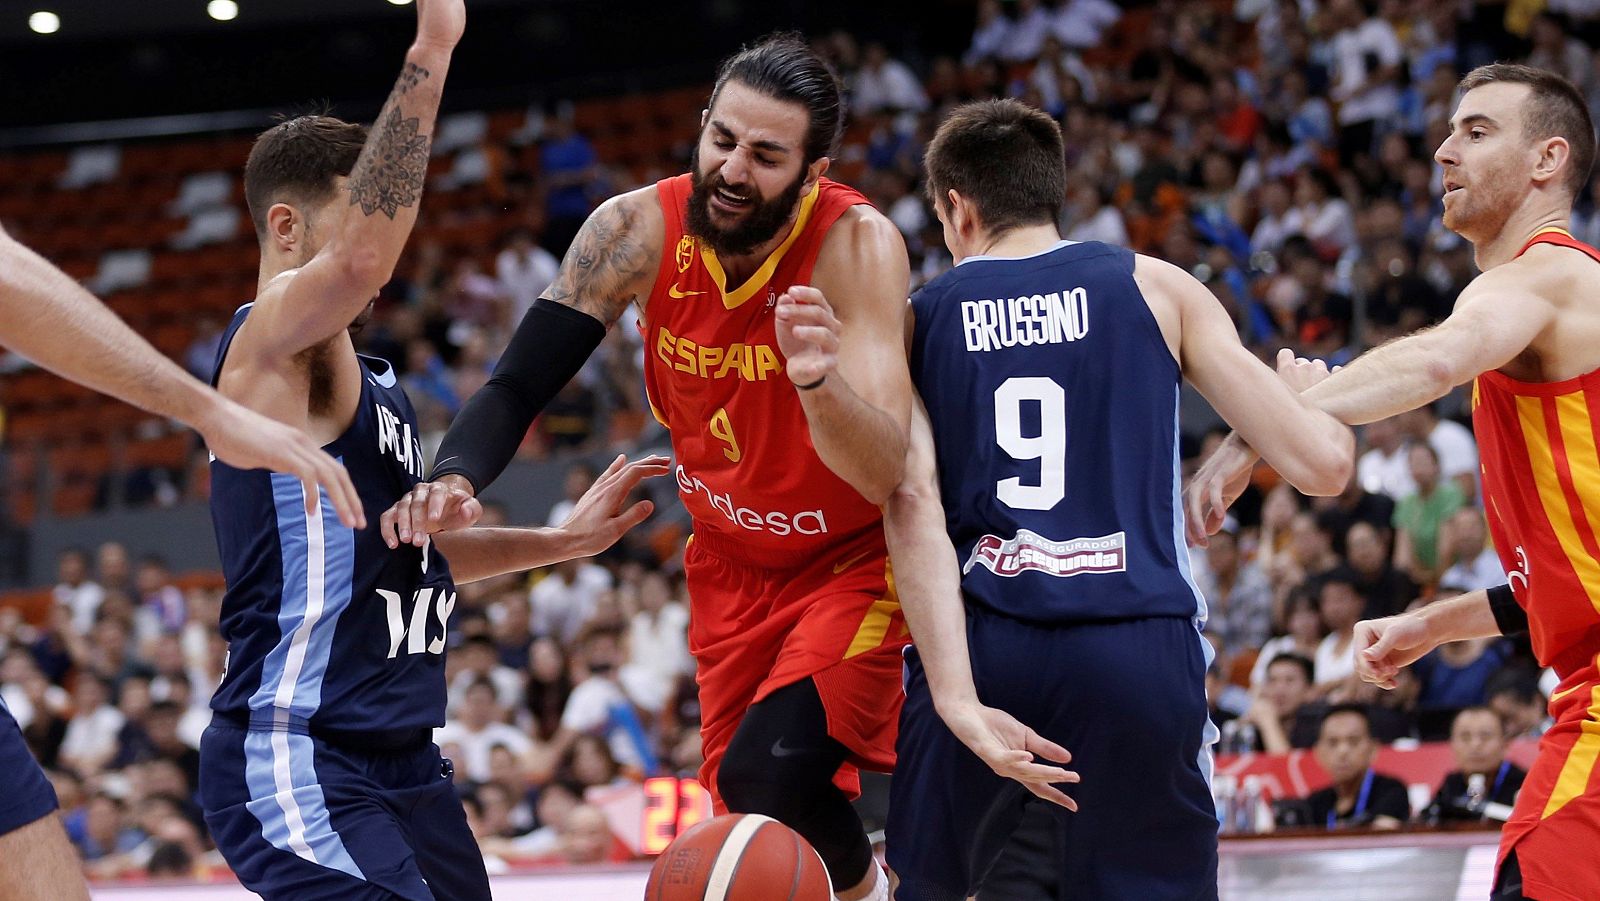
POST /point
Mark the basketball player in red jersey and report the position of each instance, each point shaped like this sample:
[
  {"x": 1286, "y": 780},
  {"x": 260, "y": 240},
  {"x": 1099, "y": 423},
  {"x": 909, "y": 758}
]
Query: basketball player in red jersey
[
  {"x": 1528, "y": 331},
  {"x": 771, "y": 301}
]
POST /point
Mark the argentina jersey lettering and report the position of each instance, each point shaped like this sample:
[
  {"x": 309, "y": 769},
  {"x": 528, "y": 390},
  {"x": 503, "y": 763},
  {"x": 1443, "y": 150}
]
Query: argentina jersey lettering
[
  {"x": 327, "y": 628},
  {"x": 1054, "y": 401}
]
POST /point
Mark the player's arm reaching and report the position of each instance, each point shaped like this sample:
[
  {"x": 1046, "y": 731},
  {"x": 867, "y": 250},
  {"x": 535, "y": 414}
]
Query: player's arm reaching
[
  {"x": 609, "y": 266},
  {"x": 1495, "y": 319},
  {"x": 48, "y": 318},
  {"x": 1385, "y": 646},
  {"x": 1312, "y": 450},
  {"x": 598, "y": 519},
  {"x": 846, "y": 354},
  {"x": 928, "y": 581}
]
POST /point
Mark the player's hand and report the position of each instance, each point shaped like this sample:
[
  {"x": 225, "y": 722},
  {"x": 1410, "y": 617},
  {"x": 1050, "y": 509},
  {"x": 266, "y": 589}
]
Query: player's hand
[
  {"x": 1300, "y": 373},
  {"x": 1010, "y": 749},
  {"x": 429, "y": 507},
  {"x": 598, "y": 518},
  {"x": 808, "y": 334},
  {"x": 244, "y": 439},
  {"x": 441, "y": 22},
  {"x": 1220, "y": 481},
  {"x": 1383, "y": 646}
]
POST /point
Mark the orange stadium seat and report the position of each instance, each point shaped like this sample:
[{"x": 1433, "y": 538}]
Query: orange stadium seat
[{"x": 34, "y": 604}]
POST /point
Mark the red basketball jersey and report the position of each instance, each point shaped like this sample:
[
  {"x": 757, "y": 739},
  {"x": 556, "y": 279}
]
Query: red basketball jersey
[
  {"x": 745, "y": 467},
  {"x": 1541, "y": 485}
]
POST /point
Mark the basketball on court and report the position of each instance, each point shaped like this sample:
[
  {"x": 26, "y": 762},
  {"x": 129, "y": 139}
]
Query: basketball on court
[{"x": 739, "y": 857}]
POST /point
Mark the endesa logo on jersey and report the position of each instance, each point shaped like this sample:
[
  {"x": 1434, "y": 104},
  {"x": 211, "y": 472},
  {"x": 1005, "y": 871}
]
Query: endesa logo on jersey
[
  {"x": 805, "y": 522},
  {"x": 1032, "y": 552}
]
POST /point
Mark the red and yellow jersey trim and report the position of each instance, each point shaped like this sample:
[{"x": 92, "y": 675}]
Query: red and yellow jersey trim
[{"x": 758, "y": 280}]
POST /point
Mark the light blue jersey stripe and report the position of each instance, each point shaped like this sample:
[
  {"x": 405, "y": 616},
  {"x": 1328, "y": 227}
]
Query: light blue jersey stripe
[
  {"x": 1180, "y": 546},
  {"x": 318, "y": 559},
  {"x": 1210, "y": 734}
]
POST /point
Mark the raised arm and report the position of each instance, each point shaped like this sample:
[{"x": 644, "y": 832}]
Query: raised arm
[
  {"x": 319, "y": 300},
  {"x": 846, "y": 355},
  {"x": 1312, "y": 450},
  {"x": 48, "y": 318},
  {"x": 928, "y": 582}
]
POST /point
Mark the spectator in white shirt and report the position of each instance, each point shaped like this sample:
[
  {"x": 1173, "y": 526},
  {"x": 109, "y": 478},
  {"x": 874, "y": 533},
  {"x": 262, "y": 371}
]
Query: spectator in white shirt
[
  {"x": 564, "y": 600},
  {"x": 1385, "y": 467},
  {"x": 524, "y": 270},
  {"x": 477, "y": 728},
  {"x": 1083, "y": 23},
  {"x": 991, "y": 36},
  {"x": 1367, "y": 55},
  {"x": 76, "y": 591},
  {"x": 884, "y": 83},
  {"x": 1464, "y": 544},
  {"x": 580, "y": 476},
  {"x": 658, "y": 635},
  {"x": 1279, "y": 219},
  {"x": 598, "y": 706},
  {"x": 1341, "y": 608},
  {"x": 1026, "y": 39},
  {"x": 1451, "y": 441},
  {"x": 480, "y": 659},
  {"x": 91, "y": 738}
]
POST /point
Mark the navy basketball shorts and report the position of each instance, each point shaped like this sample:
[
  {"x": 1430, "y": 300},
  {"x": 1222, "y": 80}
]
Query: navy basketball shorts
[
  {"x": 1127, "y": 699},
  {"x": 25, "y": 794},
  {"x": 297, "y": 817}
]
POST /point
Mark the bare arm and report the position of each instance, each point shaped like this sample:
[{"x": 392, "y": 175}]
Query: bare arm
[
  {"x": 613, "y": 259},
  {"x": 1384, "y": 646},
  {"x": 322, "y": 298},
  {"x": 1495, "y": 319},
  {"x": 597, "y": 521},
  {"x": 48, "y": 318},
  {"x": 1314, "y": 452},
  {"x": 928, "y": 579},
  {"x": 854, "y": 345}
]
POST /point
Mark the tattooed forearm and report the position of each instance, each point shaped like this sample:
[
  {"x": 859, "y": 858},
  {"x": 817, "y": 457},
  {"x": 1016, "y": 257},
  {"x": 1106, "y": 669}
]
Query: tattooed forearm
[
  {"x": 607, "y": 257},
  {"x": 392, "y": 167},
  {"x": 411, "y": 76}
]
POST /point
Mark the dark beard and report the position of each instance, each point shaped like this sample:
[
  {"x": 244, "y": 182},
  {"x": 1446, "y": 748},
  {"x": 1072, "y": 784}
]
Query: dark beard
[
  {"x": 365, "y": 316},
  {"x": 760, "y": 225}
]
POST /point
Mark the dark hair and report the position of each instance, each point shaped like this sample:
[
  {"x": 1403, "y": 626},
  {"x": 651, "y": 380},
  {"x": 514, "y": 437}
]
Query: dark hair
[
  {"x": 1357, "y": 709},
  {"x": 296, "y": 161},
  {"x": 782, "y": 67},
  {"x": 1479, "y": 708},
  {"x": 1555, "y": 109},
  {"x": 1299, "y": 660},
  {"x": 1005, "y": 157},
  {"x": 1520, "y": 682}
]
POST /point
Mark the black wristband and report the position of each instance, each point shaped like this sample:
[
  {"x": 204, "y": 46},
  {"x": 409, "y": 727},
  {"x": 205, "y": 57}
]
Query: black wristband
[
  {"x": 1508, "y": 614},
  {"x": 814, "y": 385},
  {"x": 549, "y": 347}
]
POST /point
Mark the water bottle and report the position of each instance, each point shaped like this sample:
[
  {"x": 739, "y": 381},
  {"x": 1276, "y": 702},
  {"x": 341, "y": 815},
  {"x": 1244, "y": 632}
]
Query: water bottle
[
  {"x": 1223, "y": 788},
  {"x": 1248, "y": 806},
  {"x": 1477, "y": 792}
]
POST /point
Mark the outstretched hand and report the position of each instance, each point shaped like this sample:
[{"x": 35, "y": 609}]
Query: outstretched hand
[
  {"x": 1010, "y": 749},
  {"x": 598, "y": 518}
]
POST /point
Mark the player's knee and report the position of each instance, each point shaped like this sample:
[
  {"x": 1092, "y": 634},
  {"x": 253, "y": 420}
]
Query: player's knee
[{"x": 777, "y": 786}]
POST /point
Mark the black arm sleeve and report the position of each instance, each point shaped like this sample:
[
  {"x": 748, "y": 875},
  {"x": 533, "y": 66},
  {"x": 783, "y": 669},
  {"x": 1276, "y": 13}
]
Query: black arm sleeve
[
  {"x": 1508, "y": 614},
  {"x": 549, "y": 347}
]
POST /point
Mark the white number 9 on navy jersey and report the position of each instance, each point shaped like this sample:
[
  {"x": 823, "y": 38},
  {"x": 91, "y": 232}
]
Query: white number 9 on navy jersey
[{"x": 1049, "y": 447}]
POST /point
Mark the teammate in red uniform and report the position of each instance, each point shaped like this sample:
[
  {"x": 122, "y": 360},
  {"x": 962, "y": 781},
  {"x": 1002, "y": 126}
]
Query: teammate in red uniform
[
  {"x": 771, "y": 301},
  {"x": 1520, "y": 149}
]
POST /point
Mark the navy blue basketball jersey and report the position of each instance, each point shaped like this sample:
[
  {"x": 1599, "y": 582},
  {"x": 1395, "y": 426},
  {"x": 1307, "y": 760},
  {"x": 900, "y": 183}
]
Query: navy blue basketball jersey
[
  {"x": 327, "y": 628},
  {"x": 1054, "y": 405}
]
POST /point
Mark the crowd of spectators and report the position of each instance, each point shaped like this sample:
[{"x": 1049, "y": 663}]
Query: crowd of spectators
[{"x": 1280, "y": 150}]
